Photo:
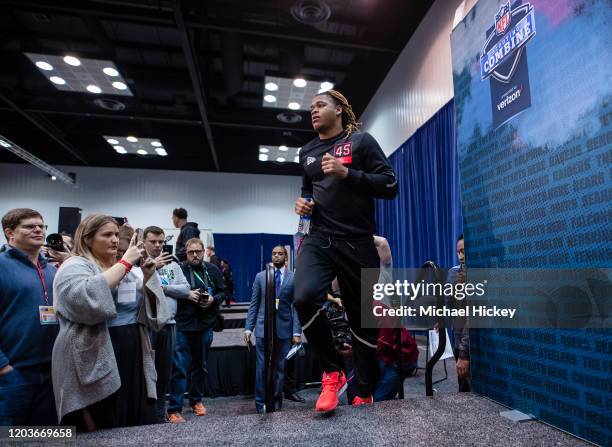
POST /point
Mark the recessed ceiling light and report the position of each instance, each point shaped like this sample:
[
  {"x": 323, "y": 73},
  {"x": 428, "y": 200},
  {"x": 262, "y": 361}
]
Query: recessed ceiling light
[
  {"x": 299, "y": 82},
  {"x": 119, "y": 148},
  {"x": 119, "y": 85},
  {"x": 120, "y": 151},
  {"x": 293, "y": 105},
  {"x": 132, "y": 139},
  {"x": 141, "y": 152},
  {"x": 110, "y": 71},
  {"x": 326, "y": 86},
  {"x": 53, "y": 178},
  {"x": 44, "y": 65},
  {"x": 282, "y": 148},
  {"x": 281, "y": 159},
  {"x": 71, "y": 60},
  {"x": 161, "y": 151},
  {"x": 156, "y": 144},
  {"x": 272, "y": 86},
  {"x": 57, "y": 80},
  {"x": 270, "y": 98},
  {"x": 263, "y": 157},
  {"x": 93, "y": 89},
  {"x": 112, "y": 141},
  {"x": 264, "y": 150}
]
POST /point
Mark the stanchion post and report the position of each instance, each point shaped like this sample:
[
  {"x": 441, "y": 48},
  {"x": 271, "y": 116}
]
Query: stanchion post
[{"x": 269, "y": 340}]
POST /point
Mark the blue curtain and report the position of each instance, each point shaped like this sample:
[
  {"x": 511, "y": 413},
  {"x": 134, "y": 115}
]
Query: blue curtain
[
  {"x": 424, "y": 221},
  {"x": 247, "y": 254}
]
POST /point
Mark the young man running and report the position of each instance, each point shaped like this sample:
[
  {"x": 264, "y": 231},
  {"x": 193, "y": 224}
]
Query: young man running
[{"x": 344, "y": 170}]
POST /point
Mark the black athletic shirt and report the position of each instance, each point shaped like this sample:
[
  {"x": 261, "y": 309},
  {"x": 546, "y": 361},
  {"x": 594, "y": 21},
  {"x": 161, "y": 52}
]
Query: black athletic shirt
[{"x": 345, "y": 207}]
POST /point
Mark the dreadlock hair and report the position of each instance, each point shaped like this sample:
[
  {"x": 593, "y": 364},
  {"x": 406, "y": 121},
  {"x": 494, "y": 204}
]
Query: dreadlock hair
[{"x": 349, "y": 120}]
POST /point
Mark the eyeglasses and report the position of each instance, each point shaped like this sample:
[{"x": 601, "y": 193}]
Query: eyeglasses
[
  {"x": 195, "y": 252},
  {"x": 31, "y": 227}
]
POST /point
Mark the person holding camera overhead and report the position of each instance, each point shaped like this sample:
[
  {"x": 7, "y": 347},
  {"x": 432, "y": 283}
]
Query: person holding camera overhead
[
  {"x": 103, "y": 368},
  {"x": 195, "y": 319},
  {"x": 28, "y": 326}
]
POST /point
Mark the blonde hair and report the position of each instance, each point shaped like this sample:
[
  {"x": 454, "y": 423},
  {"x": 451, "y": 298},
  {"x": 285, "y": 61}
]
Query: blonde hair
[
  {"x": 85, "y": 233},
  {"x": 349, "y": 120}
]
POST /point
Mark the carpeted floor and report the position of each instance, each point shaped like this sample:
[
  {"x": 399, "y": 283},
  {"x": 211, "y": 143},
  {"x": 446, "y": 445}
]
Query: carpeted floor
[{"x": 446, "y": 419}]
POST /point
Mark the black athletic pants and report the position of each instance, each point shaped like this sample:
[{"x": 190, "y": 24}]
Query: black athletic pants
[{"x": 321, "y": 258}]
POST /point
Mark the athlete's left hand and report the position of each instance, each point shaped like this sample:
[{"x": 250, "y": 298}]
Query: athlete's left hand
[{"x": 332, "y": 166}]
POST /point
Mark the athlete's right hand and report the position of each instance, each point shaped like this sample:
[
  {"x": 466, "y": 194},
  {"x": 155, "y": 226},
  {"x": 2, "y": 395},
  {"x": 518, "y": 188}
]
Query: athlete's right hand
[{"x": 303, "y": 207}]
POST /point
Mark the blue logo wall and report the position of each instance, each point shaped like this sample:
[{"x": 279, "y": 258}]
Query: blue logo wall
[{"x": 536, "y": 188}]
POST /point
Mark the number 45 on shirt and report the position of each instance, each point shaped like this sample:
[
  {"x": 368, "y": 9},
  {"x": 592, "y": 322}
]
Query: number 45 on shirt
[{"x": 344, "y": 152}]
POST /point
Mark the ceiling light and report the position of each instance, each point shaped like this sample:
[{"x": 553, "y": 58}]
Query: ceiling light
[
  {"x": 78, "y": 73},
  {"x": 112, "y": 141},
  {"x": 156, "y": 144},
  {"x": 282, "y": 148},
  {"x": 93, "y": 89},
  {"x": 71, "y": 60},
  {"x": 53, "y": 178},
  {"x": 272, "y": 86},
  {"x": 264, "y": 150},
  {"x": 293, "y": 106},
  {"x": 270, "y": 98},
  {"x": 44, "y": 65},
  {"x": 299, "y": 82},
  {"x": 141, "y": 152},
  {"x": 263, "y": 157},
  {"x": 132, "y": 139},
  {"x": 4, "y": 143},
  {"x": 161, "y": 151},
  {"x": 57, "y": 80},
  {"x": 110, "y": 71},
  {"x": 326, "y": 86},
  {"x": 120, "y": 150},
  {"x": 281, "y": 159}
]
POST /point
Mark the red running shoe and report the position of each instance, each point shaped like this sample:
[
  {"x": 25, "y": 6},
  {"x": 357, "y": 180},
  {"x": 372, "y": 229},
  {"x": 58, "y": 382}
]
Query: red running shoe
[
  {"x": 358, "y": 401},
  {"x": 334, "y": 384}
]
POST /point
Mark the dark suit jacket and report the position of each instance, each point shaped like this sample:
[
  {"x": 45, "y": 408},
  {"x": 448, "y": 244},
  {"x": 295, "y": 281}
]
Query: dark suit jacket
[{"x": 287, "y": 322}]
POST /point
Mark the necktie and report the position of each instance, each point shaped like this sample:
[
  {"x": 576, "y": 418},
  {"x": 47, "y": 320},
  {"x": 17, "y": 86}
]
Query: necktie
[{"x": 277, "y": 282}]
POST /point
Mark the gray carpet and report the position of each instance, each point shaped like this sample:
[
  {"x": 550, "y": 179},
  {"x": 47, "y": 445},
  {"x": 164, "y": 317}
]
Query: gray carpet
[{"x": 446, "y": 419}]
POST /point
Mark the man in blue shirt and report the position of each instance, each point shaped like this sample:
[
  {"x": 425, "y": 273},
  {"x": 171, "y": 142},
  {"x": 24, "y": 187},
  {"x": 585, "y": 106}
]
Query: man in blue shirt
[
  {"x": 28, "y": 326},
  {"x": 288, "y": 328}
]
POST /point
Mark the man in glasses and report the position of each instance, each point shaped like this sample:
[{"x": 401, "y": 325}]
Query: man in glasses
[
  {"x": 28, "y": 326},
  {"x": 195, "y": 318}
]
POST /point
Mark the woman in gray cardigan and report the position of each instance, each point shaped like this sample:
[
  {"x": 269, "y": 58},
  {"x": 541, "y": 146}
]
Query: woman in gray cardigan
[{"x": 84, "y": 367}]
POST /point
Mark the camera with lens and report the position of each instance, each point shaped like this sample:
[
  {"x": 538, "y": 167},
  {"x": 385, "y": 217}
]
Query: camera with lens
[
  {"x": 55, "y": 242},
  {"x": 202, "y": 296}
]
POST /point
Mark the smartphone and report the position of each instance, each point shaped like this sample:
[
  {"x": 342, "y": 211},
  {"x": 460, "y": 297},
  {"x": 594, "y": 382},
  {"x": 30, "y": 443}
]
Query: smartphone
[
  {"x": 139, "y": 234},
  {"x": 167, "y": 249}
]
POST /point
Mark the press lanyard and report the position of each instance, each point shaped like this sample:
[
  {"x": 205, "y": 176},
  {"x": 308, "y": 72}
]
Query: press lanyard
[
  {"x": 42, "y": 281},
  {"x": 210, "y": 282}
]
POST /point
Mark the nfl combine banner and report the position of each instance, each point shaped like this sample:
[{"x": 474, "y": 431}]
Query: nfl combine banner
[{"x": 533, "y": 101}]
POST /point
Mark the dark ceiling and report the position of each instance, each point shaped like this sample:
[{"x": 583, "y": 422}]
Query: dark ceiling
[{"x": 196, "y": 69}]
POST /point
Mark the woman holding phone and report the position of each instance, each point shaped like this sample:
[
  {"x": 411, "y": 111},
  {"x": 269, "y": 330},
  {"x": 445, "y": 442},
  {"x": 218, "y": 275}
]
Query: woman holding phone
[{"x": 102, "y": 367}]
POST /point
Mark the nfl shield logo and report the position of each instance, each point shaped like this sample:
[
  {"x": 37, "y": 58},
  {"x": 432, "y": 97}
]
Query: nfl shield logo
[{"x": 502, "y": 19}]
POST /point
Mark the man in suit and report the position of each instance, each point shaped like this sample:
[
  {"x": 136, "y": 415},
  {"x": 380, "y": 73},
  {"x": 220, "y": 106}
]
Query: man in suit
[{"x": 288, "y": 329}]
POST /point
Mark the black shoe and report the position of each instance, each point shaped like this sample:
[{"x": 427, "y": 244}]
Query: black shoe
[{"x": 295, "y": 397}]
